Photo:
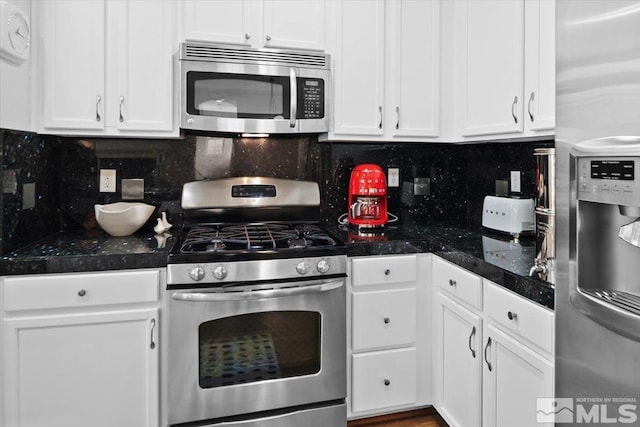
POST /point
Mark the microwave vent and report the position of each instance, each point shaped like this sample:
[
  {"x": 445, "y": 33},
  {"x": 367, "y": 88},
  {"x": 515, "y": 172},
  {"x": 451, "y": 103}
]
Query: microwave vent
[{"x": 224, "y": 53}]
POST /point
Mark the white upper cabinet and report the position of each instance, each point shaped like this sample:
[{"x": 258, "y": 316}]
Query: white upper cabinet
[
  {"x": 504, "y": 65},
  {"x": 294, "y": 24},
  {"x": 107, "y": 67},
  {"x": 73, "y": 65},
  {"x": 413, "y": 68},
  {"x": 267, "y": 23},
  {"x": 358, "y": 69},
  {"x": 144, "y": 96},
  {"x": 223, "y": 21},
  {"x": 540, "y": 65},
  {"x": 386, "y": 70}
]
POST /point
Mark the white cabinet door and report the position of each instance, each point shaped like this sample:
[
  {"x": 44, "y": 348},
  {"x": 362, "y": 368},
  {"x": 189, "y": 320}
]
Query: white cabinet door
[
  {"x": 224, "y": 21},
  {"x": 73, "y": 64},
  {"x": 95, "y": 369},
  {"x": 142, "y": 97},
  {"x": 540, "y": 81},
  {"x": 458, "y": 358},
  {"x": 518, "y": 376},
  {"x": 294, "y": 24},
  {"x": 414, "y": 63},
  {"x": 490, "y": 66},
  {"x": 358, "y": 95}
]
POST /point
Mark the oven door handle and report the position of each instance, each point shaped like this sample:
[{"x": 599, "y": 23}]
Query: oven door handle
[{"x": 257, "y": 294}]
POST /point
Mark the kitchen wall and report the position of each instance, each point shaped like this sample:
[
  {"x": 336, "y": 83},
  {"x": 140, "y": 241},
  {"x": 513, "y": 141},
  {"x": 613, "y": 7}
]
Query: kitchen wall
[
  {"x": 51, "y": 183},
  {"x": 460, "y": 175}
]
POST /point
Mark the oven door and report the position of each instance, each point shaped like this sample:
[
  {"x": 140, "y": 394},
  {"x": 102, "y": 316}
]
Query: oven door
[{"x": 255, "y": 348}]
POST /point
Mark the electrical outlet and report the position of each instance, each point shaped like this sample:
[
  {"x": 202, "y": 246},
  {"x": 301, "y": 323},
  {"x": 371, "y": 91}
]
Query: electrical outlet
[
  {"x": 107, "y": 180},
  {"x": 393, "y": 177}
]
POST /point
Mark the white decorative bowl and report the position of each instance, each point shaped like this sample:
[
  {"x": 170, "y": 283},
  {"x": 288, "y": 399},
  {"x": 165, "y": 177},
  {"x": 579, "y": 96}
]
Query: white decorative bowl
[{"x": 123, "y": 218}]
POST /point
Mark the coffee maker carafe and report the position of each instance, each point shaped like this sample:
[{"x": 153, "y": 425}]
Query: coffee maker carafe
[{"x": 367, "y": 197}]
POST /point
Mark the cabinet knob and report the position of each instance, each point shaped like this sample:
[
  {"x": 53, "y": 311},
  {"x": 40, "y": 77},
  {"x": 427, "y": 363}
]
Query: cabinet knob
[
  {"x": 387, "y": 272},
  {"x": 387, "y": 382},
  {"x": 247, "y": 36},
  {"x": 452, "y": 282},
  {"x": 82, "y": 293},
  {"x": 512, "y": 316},
  {"x": 386, "y": 320},
  {"x": 268, "y": 37}
]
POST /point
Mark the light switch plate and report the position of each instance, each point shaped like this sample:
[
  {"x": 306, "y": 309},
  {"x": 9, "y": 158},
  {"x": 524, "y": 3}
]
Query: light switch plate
[{"x": 515, "y": 182}]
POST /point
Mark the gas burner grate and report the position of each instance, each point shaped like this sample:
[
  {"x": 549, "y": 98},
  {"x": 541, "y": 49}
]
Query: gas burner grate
[{"x": 253, "y": 237}]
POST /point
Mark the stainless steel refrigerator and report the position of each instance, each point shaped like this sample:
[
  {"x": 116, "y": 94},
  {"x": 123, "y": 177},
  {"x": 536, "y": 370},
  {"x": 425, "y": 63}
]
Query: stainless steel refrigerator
[{"x": 597, "y": 212}]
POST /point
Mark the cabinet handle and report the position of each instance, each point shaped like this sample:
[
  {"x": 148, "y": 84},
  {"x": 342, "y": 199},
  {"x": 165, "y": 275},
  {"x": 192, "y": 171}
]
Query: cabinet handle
[
  {"x": 485, "y": 354},
  {"x": 386, "y": 320},
  {"x": 247, "y": 36},
  {"x": 380, "y": 112},
  {"x": 121, "y": 102},
  {"x": 397, "y": 117},
  {"x": 98, "y": 99},
  {"x": 387, "y": 382},
  {"x": 153, "y": 327},
  {"x": 473, "y": 333},
  {"x": 387, "y": 272},
  {"x": 512, "y": 316},
  {"x": 513, "y": 108},
  {"x": 452, "y": 282},
  {"x": 268, "y": 37},
  {"x": 531, "y": 98},
  {"x": 82, "y": 293}
]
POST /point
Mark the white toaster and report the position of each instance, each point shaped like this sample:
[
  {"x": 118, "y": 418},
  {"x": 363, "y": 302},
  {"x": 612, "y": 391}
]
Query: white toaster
[{"x": 508, "y": 215}]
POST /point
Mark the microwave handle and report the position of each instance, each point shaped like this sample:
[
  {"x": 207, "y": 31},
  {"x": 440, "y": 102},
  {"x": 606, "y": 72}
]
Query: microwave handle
[{"x": 294, "y": 97}]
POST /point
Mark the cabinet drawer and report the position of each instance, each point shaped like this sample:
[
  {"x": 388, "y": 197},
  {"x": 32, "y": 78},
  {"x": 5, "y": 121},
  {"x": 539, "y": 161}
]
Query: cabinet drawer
[
  {"x": 517, "y": 314},
  {"x": 384, "y": 318},
  {"x": 384, "y": 269},
  {"x": 79, "y": 290},
  {"x": 383, "y": 379},
  {"x": 457, "y": 281}
]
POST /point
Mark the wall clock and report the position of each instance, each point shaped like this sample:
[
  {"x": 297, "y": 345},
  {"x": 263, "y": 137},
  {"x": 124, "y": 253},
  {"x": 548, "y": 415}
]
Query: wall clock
[{"x": 15, "y": 33}]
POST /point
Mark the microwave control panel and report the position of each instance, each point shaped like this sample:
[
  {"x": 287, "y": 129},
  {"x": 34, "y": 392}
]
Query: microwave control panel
[
  {"x": 310, "y": 98},
  {"x": 611, "y": 180}
]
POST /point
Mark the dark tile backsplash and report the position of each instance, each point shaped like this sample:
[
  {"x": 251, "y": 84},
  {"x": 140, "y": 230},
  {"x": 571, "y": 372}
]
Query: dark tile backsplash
[{"x": 65, "y": 173}]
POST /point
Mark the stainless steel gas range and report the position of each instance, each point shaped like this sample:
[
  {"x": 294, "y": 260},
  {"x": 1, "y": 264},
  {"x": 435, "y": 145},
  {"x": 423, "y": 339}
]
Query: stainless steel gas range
[{"x": 257, "y": 321}]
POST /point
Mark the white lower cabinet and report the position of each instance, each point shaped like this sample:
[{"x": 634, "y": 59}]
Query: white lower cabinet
[
  {"x": 493, "y": 356},
  {"x": 458, "y": 370},
  {"x": 77, "y": 352},
  {"x": 514, "y": 378},
  {"x": 388, "y": 351},
  {"x": 384, "y": 379}
]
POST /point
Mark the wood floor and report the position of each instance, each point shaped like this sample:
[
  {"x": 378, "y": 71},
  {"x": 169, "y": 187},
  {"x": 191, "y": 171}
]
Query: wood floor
[{"x": 418, "y": 418}]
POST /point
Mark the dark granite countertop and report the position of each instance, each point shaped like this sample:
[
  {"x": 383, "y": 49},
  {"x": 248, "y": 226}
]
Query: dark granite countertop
[
  {"x": 492, "y": 256},
  {"x": 68, "y": 252}
]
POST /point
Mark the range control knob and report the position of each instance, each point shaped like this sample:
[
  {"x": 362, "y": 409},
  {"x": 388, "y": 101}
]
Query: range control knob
[
  {"x": 302, "y": 268},
  {"x": 323, "y": 266},
  {"x": 220, "y": 272},
  {"x": 197, "y": 274}
]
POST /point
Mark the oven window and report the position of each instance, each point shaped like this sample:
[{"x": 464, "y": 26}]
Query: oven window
[
  {"x": 259, "y": 346},
  {"x": 243, "y": 96}
]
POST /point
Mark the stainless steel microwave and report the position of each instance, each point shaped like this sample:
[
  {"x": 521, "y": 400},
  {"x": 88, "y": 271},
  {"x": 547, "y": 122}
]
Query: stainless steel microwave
[{"x": 226, "y": 88}]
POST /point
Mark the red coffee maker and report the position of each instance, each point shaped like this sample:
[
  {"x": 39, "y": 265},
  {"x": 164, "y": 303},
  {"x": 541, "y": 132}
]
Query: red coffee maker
[{"x": 367, "y": 197}]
